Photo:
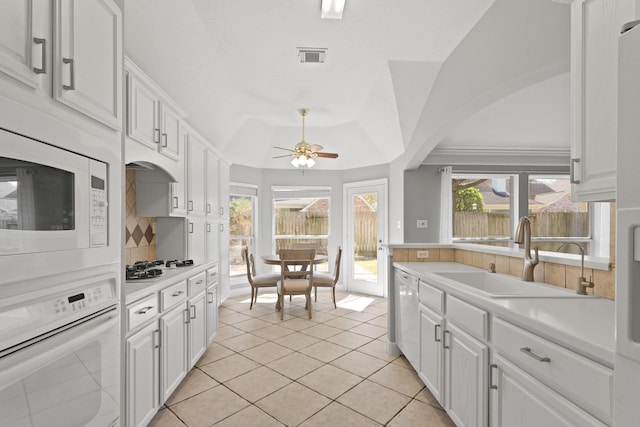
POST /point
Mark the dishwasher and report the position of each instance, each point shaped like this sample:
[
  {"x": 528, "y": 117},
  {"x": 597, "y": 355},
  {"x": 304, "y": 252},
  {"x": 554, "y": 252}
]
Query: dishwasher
[{"x": 407, "y": 316}]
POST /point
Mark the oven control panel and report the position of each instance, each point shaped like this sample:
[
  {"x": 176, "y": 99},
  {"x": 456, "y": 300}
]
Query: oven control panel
[
  {"x": 79, "y": 301},
  {"x": 98, "y": 204}
]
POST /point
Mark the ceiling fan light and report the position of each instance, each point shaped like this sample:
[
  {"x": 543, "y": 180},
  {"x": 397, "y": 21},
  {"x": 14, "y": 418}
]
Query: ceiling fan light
[
  {"x": 332, "y": 9},
  {"x": 310, "y": 162},
  {"x": 302, "y": 160},
  {"x": 295, "y": 162}
]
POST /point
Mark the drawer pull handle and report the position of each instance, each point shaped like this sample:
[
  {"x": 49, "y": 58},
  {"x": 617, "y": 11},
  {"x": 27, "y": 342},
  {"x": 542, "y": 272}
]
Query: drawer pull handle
[
  {"x": 492, "y": 386},
  {"x": 435, "y": 332},
  {"x": 199, "y": 282},
  {"x": 145, "y": 310},
  {"x": 528, "y": 352},
  {"x": 177, "y": 294}
]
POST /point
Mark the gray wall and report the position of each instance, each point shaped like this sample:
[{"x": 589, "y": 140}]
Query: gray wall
[{"x": 422, "y": 201}]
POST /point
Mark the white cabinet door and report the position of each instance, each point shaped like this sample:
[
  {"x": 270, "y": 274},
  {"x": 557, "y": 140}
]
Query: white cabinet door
[
  {"x": 88, "y": 58},
  {"x": 197, "y": 174},
  {"x": 595, "y": 28},
  {"x": 431, "y": 360},
  {"x": 197, "y": 327},
  {"x": 170, "y": 139},
  {"x": 224, "y": 191},
  {"x": 213, "y": 241},
  {"x": 223, "y": 281},
  {"x": 519, "y": 400},
  {"x": 213, "y": 185},
  {"x": 24, "y": 42},
  {"x": 143, "y": 112},
  {"x": 212, "y": 313},
  {"x": 173, "y": 328},
  {"x": 466, "y": 378},
  {"x": 142, "y": 376},
  {"x": 197, "y": 240}
]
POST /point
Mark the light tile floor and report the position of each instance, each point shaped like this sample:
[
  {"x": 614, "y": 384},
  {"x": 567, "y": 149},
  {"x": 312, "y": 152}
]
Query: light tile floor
[{"x": 332, "y": 370}]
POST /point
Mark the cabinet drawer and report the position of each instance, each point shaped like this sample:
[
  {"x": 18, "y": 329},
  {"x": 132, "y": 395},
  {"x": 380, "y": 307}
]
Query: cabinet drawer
[
  {"x": 197, "y": 283},
  {"x": 173, "y": 295},
  {"x": 468, "y": 317},
  {"x": 212, "y": 275},
  {"x": 431, "y": 297},
  {"x": 587, "y": 383},
  {"x": 141, "y": 311}
]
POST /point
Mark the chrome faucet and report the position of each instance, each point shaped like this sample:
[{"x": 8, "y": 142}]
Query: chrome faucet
[
  {"x": 523, "y": 235},
  {"x": 583, "y": 284}
]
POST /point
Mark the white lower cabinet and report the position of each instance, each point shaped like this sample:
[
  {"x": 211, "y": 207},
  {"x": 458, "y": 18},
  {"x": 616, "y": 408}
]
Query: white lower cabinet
[
  {"x": 143, "y": 375},
  {"x": 520, "y": 400},
  {"x": 431, "y": 357},
  {"x": 212, "y": 313},
  {"x": 173, "y": 329},
  {"x": 197, "y": 326},
  {"x": 466, "y": 362}
]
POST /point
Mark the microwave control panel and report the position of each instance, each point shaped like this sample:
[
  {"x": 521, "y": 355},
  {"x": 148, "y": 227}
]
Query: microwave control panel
[{"x": 98, "y": 204}]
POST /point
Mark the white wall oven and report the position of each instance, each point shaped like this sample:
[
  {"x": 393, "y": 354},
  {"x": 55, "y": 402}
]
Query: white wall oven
[
  {"x": 50, "y": 199},
  {"x": 60, "y": 356}
]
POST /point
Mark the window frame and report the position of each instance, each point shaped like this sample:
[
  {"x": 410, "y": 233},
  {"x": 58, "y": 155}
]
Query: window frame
[{"x": 249, "y": 191}]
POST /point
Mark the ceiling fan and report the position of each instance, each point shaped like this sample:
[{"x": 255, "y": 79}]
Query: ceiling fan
[{"x": 303, "y": 153}]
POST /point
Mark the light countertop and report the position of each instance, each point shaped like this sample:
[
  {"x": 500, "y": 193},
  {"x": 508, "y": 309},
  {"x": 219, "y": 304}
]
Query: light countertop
[
  {"x": 585, "y": 324},
  {"x": 136, "y": 289}
]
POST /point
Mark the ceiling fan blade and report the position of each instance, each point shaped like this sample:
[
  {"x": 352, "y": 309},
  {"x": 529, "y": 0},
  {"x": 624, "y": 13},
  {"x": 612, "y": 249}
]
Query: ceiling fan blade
[
  {"x": 286, "y": 149},
  {"x": 315, "y": 147},
  {"x": 327, "y": 155},
  {"x": 278, "y": 157}
]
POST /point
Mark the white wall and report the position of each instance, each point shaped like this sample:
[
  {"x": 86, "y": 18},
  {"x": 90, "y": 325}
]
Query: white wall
[{"x": 422, "y": 201}]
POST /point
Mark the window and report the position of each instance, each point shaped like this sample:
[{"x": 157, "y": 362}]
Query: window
[
  {"x": 482, "y": 208},
  {"x": 486, "y": 209},
  {"x": 242, "y": 228},
  {"x": 301, "y": 218}
]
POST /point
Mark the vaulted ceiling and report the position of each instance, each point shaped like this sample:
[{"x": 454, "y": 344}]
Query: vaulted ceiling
[{"x": 232, "y": 65}]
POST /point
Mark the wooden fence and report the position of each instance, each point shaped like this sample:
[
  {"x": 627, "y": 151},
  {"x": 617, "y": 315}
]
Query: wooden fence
[{"x": 497, "y": 224}]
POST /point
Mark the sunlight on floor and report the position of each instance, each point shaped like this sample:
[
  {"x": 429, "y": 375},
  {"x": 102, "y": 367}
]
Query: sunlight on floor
[
  {"x": 262, "y": 298},
  {"x": 355, "y": 302}
]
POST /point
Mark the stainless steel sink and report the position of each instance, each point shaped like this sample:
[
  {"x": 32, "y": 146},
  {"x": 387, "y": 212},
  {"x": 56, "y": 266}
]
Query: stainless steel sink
[{"x": 495, "y": 285}]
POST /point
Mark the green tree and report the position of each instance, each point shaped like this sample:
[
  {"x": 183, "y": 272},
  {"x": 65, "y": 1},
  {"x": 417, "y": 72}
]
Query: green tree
[
  {"x": 240, "y": 214},
  {"x": 468, "y": 200}
]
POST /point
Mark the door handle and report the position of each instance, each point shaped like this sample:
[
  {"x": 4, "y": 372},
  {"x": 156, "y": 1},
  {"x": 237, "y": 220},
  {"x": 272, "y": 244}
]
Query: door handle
[
  {"x": 190, "y": 205},
  {"x": 186, "y": 314},
  {"x": 43, "y": 56},
  {"x": 193, "y": 307},
  {"x": 156, "y": 135},
  {"x": 175, "y": 201},
  {"x": 72, "y": 80},
  {"x": 157, "y": 342},
  {"x": 191, "y": 228},
  {"x": 491, "y": 384},
  {"x": 164, "y": 139},
  {"x": 572, "y": 171},
  {"x": 210, "y": 294},
  {"x": 435, "y": 332},
  {"x": 444, "y": 340}
]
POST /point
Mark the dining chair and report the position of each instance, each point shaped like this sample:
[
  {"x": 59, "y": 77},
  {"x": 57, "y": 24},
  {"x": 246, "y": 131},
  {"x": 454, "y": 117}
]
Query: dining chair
[
  {"x": 258, "y": 280},
  {"x": 326, "y": 280},
  {"x": 293, "y": 281}
]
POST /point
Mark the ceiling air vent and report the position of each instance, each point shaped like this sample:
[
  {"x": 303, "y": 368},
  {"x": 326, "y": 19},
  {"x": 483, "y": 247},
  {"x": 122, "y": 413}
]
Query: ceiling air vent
[{"x": 312, "y": 54}]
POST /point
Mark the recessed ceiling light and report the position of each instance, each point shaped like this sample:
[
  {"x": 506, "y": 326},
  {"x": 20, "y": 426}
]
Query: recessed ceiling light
[{"x": 332, "y": 9}]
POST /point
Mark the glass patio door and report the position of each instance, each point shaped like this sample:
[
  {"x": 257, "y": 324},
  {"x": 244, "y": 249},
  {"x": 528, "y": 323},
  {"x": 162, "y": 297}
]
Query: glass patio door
[{"x": 366, "y": 213}]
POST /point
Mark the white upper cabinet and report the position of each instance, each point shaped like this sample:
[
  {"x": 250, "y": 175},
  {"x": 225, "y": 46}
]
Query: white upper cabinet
[
  {"x": 213, "y": 185},
  {"x": 24, "y": 41},
  {"x": 87, "y": 58},
  {"x": 595, "y": 28},
  {"x": 152, "y": 118},
  {"x": 196, "y": 171}
]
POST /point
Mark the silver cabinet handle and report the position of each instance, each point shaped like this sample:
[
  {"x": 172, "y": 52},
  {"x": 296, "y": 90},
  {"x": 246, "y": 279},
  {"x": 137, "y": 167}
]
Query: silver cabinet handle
[
  {"x": 208, "y": 207},
  {"x": 175, "y": 201},
  {"x": 186, "y": 314},
  {"x": 164, "y": 139},
  {"x": 157, "y": 342},
  {"x": 444, "y": 340},
  {"x": 190, "y": 205},
  {"x": 492, "y": 386},
  {"x": 210, "y": 294},
  {"x": 528, "y": 352},
  {"x": 221, "y": 228},
  {"x": 191, "y": 228},
  {"x": 199, "y": 282},
  {"x": 43, "y": 69},
  {"x": 572, "y": 171},
  {"x": 435, "y": 332},
  {"x": 156, "y": 135},
  {"x": 193, "y": 316},
  {"x": 145, "y": 310},
  {"x": 221, "y": 210},
  {"x": 72, "y": 80},
  {"x": 208, "y": 228},
  {"x": 177, "y": 294}
]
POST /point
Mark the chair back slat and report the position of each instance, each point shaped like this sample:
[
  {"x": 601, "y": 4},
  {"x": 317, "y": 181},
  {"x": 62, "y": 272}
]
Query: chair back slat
[{"x": 290, "y": 258}]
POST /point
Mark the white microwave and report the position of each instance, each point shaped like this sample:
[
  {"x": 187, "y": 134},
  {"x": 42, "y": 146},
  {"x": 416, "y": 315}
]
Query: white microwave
[{"x": 51, "y": 199}]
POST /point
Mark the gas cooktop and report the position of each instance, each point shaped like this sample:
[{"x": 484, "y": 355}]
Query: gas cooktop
[{"x": 150, "y": 269}]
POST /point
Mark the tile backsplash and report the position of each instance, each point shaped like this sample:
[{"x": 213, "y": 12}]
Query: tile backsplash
[
  {"x": 565, "y": 276},
  {"x": 140, "y": 232}
]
